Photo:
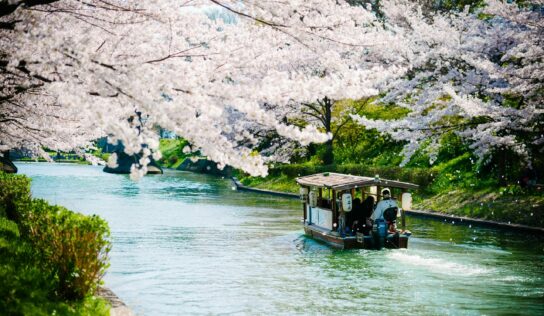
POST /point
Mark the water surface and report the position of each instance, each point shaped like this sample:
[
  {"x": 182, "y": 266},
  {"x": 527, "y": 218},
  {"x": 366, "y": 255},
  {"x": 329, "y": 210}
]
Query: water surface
[{"x": 185, "y": 243}]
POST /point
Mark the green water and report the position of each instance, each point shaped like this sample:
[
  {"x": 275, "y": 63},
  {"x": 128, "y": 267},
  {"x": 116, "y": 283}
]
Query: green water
[{"x": 185, "y": 243}]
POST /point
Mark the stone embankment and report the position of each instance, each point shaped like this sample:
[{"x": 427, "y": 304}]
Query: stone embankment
[{"x": 118, "y": 307}]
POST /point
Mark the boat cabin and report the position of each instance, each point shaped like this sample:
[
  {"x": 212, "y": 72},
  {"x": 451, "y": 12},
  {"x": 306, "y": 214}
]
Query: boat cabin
[{"x": 336, "y": 208}]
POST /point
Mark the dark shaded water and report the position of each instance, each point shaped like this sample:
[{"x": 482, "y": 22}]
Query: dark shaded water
[{"x": 185, "y": 243}]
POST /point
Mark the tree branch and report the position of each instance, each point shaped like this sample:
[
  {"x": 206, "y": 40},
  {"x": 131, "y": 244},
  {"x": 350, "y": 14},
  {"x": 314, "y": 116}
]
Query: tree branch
[{"x": 8, "y": 6}]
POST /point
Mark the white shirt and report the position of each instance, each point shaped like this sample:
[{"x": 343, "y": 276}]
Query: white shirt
[{"x": 382, "y": 206}]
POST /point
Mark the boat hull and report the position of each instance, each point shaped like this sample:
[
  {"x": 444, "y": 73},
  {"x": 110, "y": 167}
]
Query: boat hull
[{"x": 360, "y": 241}]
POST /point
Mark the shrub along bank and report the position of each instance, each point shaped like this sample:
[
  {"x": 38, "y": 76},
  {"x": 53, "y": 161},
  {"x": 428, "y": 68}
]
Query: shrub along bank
[
  {"x": 282, "y": 177},
  {"x": 448, "y": 188},
  {"x": 51, "y": 259},
  {"x": 453, "y": 180},
  {"x": 454, "y": 184}
]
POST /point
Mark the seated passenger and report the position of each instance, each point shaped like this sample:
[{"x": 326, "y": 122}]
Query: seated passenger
[
  {"x": 367, "y": 206},
  {"x": 364, "y": 224},
  {"x": 384, "y": 204},
  {"x": 353, "y": 216}
]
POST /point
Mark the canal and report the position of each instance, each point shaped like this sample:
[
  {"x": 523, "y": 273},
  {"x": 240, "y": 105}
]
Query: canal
[{"x": 186, "y": 243}]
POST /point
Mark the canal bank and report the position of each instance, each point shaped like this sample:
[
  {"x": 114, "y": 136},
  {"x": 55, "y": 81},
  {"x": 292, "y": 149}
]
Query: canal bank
[
  {"x": 460, "y": 220},
  {"x": 118, "y": 307}
]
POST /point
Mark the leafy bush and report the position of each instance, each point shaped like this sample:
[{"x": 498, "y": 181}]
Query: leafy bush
[
  {"x": 8, "y": 228},
  {"x": 73, "y": 246},
  {"x": 280, "y": 184},
  {"x": 63, "y": 252},
  {"x": 14, "y": 195},
  {"x": 25, "y": 288},
  {"x": 172, "y": 152}
]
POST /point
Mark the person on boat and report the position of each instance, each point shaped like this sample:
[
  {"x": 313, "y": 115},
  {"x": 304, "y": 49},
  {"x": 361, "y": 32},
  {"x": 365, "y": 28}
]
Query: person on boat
[
  {"x": 361, "y": 213},
  {"x": 386, "y": 203},
  {"x": 367, "y": 206},
  {"x": 353, "y": 216}
]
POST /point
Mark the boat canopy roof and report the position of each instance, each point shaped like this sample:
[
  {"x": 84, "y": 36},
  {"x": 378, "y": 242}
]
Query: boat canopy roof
[{"x": 340, "y": 182}]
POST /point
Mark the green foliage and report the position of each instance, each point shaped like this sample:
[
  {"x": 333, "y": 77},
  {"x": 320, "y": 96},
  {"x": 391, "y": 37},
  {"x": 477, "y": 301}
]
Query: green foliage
[
  {"x": 526, "y": 208},
  {"x": 457, "y": 5},
  {"x": 355, "y": 144},
  {"x": 102, "y": 155},
  {"x": 284, "y": 175},
  {"x": 512, "y": 190},
  {"x": 456, "y": 182},
  {"x": 14, "y": 194},
  {"x": 27, "y": 290},
  {"x": 380, "y": 111},
  {"x": 428, "y": 7},
  {"x": 512, "y": 101},
  {"x": 172, "y": 152},
  {"x": 51, "y": 259},
  {"x": 280, "y": 183},
  {"x": 8, "y": 228},
  {"x": 74, "y": 246}
]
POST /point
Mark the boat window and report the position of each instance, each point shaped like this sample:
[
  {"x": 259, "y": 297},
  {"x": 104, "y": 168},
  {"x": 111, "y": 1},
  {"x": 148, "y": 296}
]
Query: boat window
[{"x": 324, "y": 200}]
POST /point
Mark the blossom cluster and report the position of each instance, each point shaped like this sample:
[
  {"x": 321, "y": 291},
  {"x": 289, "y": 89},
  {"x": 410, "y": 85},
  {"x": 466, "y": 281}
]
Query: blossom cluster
[{"x": 208, "y": 70}]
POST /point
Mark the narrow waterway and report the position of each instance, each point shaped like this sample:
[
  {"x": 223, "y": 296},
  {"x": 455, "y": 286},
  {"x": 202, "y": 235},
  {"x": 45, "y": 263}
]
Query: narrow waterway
[{"x": 185, "y": 243}]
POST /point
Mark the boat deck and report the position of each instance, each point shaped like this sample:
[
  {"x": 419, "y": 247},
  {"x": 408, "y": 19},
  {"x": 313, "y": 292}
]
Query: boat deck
[{"x": 360, "y": 241}]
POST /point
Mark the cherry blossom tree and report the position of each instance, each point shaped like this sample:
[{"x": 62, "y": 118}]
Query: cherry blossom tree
[
  {"x": 481, "y": 76},
  {"x": 31, "y": 117},
  {"x": 205, "y": 70},
  {"x": 110, "y": 60}
]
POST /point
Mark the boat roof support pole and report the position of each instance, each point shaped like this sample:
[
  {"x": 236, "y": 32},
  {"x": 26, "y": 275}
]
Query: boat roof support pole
[
  {"x": 403, "y": 212},
  {"x": 304, "y": 204},
  {"x": 334, "y": 211}
]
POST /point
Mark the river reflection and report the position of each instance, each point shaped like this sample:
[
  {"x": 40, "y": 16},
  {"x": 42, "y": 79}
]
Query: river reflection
[{"x": 185, "y": 243}]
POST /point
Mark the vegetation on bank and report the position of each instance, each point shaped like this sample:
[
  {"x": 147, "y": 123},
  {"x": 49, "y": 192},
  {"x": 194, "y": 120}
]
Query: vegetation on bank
[
  {"x": 172, "y": 152},
  {"x": 51, "y": 259},
  {"x": 452, "y": 179},
  {"x": 79, "y": 161},
  {"x": 440, "y": 191},
  {"x": 282, "y": 177},
  {"x": 70, "y": 157}
]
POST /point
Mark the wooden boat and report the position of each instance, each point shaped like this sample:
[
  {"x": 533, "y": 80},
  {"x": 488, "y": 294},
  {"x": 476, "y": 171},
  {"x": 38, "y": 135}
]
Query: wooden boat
[{"x": 328, "y": 197}]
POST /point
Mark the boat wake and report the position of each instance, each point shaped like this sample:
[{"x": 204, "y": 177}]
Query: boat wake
[{"x": 438, "y": 265}]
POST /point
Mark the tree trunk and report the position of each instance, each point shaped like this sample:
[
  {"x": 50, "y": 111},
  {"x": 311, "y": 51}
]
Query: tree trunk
[
  {"x": 328, "y": 155},
  {"x": 7, "y": 7}
]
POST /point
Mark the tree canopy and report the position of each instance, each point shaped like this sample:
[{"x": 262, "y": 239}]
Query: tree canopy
[{"x": 219, "y": 72}]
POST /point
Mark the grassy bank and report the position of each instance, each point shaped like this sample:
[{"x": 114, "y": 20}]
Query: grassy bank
[
  {"x": 456, "y": 182},
  {"x": 281, "y": 183},
  {"x": 282, "y": 178},
  {"x": 172, "y": 152},
  {"x": 491, "y": 204},
  {"x": 75, "y": 161},
  {"x": 51, "y": 259},
  {"x": 444, "y": 188}
]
